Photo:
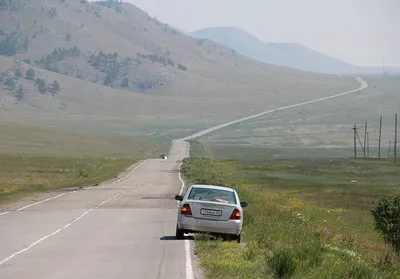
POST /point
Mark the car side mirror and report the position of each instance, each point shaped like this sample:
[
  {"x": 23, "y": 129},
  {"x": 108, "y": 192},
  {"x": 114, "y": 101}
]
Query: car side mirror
[
  {"x": 244, "y": 204},
  {"x": 178, "y": 198}
]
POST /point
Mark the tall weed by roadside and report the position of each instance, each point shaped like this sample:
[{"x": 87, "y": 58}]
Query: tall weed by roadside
[{"x": 282, "y": 264}]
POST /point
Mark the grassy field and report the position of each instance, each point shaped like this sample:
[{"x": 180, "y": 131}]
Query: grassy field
[
  {"x": 37, "y": 141},
  {"x": 35, "y": 160},
  {"x": 323, "y": 128},
  {"x": 307, "y": 217},
  {"x": 23, "y": 176}
]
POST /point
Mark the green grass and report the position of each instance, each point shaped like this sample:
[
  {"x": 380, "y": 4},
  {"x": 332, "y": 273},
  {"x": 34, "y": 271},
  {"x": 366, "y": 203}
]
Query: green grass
[
  {"x": 306, "y": 218},
  {"x": 35, "y": 160},
  {"x": 38, "y": 141},
  {"x": 23, "y": 176}
]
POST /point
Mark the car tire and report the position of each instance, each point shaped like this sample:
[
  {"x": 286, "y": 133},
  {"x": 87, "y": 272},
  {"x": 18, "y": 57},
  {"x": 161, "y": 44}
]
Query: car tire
[
  {"x": 178, "y": 233},
  {"x": 239, "y": 238}
]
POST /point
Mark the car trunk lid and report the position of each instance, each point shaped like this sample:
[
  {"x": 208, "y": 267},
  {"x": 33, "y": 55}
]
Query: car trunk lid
[{"x": 211, "y": 210}]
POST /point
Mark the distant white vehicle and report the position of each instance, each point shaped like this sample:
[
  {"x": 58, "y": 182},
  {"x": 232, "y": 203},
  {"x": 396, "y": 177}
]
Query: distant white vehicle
[
  {"x": 163, "y": 156},
  {"x": 211, "y": 209}
]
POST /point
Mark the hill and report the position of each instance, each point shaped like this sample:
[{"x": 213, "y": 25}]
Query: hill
[
  {"x": 283, "y": 54},
  {"x": 109, "y": 67}
]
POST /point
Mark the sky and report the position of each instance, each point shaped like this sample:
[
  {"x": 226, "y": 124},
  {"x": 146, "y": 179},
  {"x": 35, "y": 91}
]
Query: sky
[{"x": 361, "y": 32}]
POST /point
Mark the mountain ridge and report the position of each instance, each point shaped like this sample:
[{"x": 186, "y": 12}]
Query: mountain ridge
[{"x": 285, "y": 54}]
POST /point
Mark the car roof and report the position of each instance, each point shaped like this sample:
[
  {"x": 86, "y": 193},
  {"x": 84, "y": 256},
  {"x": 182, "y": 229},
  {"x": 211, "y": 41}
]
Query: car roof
[{"x": 213, "y": 187}]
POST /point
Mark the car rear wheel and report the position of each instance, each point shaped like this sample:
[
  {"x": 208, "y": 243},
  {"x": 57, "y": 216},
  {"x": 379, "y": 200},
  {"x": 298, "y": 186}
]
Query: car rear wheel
[
  {"x": 178, "y": 233},
  {"x": 239, "y": 238}
]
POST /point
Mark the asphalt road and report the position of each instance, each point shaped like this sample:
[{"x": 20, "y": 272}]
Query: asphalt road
[{"x": 121, "y": 230}]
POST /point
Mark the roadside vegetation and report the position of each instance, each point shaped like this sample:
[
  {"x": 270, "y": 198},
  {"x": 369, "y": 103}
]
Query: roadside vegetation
[
  {"x": 23, "y": 176},
  {"x": 34, "y": 160},
  {"x": 36, "y": 141},
  {"x": 306, "y": 218}
]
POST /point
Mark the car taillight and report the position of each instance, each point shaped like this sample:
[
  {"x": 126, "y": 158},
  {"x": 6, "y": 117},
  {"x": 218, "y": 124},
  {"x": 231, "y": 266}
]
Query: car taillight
[
  {"x": 186, "y": 209},
  {"x": 235, "y": 214}
]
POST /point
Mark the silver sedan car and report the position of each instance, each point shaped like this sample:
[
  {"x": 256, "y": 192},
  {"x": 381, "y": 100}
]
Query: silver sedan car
[{"x": 212, "y": 209}]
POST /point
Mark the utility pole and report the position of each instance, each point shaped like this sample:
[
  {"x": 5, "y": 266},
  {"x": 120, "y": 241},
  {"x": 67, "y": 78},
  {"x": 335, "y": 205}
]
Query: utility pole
[
  {"x": 355, "y": 140},
  {"x": 380, "y": 136},
  {"x": 390, "y": 146},
  {"x": 395, "y": 137},
  {"x": 367, "y": 144},
  {"x": 359, "y": 140},
  {"x": 365, "y": 138}
]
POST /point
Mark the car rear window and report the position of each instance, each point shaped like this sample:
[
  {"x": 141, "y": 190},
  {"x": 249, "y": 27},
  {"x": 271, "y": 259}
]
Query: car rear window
[{"x": 207, "y": 194}]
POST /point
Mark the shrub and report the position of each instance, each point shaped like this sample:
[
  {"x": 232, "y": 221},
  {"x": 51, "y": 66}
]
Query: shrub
[
  {"x": 41, "y": 85},
  {"x": 18, "y": 73},
  {"x": 11, "y": 84},
  {"x": 358, "y": 271},
  {"x": 282, "y": 264},
  {"x": 20, "y": 93},
  {"x": 386, "y": 215},
  {"x": 82, "y": 173},
  {"x": 30, "y": 74}
]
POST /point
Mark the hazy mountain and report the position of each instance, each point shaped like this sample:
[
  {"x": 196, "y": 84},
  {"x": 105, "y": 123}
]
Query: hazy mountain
[{"x": 283, "y": 54}]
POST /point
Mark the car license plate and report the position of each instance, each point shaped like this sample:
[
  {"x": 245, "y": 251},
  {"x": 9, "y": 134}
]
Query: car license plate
[{"x": 211, "y": 212}]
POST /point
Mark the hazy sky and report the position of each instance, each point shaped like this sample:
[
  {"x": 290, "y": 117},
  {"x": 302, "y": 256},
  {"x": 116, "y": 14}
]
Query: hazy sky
[{"x": 362, "y": 32}]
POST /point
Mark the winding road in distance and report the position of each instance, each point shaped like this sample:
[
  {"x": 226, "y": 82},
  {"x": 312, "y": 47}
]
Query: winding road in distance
[
  {"x": 121, "y": 229},
  {"x": 363, "y": 85}
]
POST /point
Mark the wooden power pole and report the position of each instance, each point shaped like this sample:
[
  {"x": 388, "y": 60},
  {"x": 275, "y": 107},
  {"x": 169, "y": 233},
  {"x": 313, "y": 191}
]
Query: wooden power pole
[
  {"x": 380, "y": 137},
  {"x": 395, "y": 137},
  {"x": 365, "y": 138},
  {"x": 355, "y": 140}
]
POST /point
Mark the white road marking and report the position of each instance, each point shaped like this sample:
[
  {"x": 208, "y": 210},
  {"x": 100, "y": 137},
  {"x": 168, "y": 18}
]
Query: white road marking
[
  {"x": 113, "y": 197},
  {"x": 63, "y": 228},
  {"x": 363, "y": 86},
  {"x": 189, "y": 267},
  {"x": 135, "y": 169},
  {"x": 67, "y": 225},
  {"x": 44, "y": 238},
  {"x": 180, "y": 178},
  {"x": 58, "y": 196},
  {"x": 39, "y": 202}
]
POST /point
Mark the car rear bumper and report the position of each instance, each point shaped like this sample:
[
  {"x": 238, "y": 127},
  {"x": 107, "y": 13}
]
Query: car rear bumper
[{"x": 190, "y": 224}]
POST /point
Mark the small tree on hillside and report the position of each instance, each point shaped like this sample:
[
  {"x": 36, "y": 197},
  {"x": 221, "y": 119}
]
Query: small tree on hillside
[
  {"x": 11, "y": 84},
  {"x": 386, "y": 215},
  {"x": 20, "y": 93},
  {"x": 18, "y": 73},
  {"x": 30, "y": 74},
  {"x": 182, "y": 67},
  {"x": 41, "y": 85},
  {"x": 56, "y": 86},
  {"x": 125, "y": 83}
]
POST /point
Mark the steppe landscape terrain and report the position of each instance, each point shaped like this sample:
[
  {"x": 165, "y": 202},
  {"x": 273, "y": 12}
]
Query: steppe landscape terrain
[{"x": 92, "y": 93}]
